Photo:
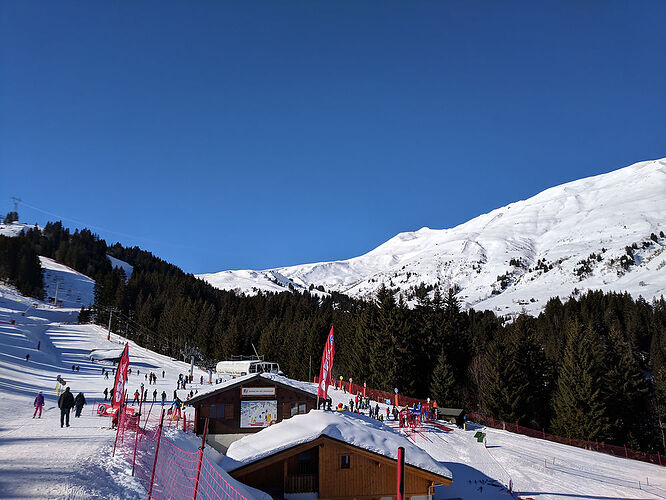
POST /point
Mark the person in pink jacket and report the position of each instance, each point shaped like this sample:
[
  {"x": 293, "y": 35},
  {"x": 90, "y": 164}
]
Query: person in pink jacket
[{"x": 39, "y": 403}]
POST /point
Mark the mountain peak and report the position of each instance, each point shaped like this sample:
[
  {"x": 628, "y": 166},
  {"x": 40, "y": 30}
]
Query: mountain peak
[{"x": 601, "y": 232}]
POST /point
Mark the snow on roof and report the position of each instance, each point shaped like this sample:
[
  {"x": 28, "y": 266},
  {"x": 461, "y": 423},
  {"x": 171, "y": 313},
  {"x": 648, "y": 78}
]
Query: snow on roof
[
  {"x": 355, "y": 429},
  {"x": 301, "y": 386},
  {"x": 102, "y": 354}
]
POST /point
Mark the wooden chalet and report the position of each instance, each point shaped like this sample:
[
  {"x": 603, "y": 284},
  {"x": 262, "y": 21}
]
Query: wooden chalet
[
  {"x": 339, "y": 461},
  {"x": 247, "y": 404}
]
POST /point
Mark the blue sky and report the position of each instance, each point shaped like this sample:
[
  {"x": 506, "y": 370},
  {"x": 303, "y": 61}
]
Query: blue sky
[{"x": 227, "y": 135}]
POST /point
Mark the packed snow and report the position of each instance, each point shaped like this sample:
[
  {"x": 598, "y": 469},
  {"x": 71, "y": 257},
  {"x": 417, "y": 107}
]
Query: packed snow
[
  {"x": 514, "y": 258},
  {"x": 40, "y": 459}
]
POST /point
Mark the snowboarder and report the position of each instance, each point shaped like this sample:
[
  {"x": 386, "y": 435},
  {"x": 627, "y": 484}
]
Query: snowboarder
[
  {"x": 79, "y": 403},
  {"x": 65, "y": 403},
  {"x": 39, "y": 403},
  {"x": 106, "y": 393}
]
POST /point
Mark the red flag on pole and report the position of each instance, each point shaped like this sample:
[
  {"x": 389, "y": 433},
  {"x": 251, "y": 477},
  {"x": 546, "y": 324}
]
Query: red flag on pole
[
  {"x": 326, "y": 366},
  {"x": 121, "y": 378}
]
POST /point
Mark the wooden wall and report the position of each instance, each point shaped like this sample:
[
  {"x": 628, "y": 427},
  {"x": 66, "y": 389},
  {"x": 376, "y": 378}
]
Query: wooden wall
[
  {"x": 231, "y": 399},
  {"x": 366, "y": 477}
]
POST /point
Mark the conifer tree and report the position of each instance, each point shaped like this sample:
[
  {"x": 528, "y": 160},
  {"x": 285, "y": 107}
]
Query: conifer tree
[
  {"x": 579, "y": 404},
  {"x": 443, "y": 386}
]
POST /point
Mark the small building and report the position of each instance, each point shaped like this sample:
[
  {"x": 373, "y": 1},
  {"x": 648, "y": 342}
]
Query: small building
[
  {"x": 453, "y": 415},
  {"x": 247, "y": 404},
  {"x": 333, "y": 455}
]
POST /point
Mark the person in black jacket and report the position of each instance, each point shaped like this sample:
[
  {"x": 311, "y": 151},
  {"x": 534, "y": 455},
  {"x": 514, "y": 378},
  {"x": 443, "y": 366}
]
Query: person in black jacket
[
  {"x": 65, "y": 403},
  {"x": 79, "y": 402}
]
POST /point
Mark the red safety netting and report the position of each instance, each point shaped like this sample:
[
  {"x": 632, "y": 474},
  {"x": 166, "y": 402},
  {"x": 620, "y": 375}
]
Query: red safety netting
[
  {"x": 609, "y": 449},
  {"x": 164, "y": 469}
]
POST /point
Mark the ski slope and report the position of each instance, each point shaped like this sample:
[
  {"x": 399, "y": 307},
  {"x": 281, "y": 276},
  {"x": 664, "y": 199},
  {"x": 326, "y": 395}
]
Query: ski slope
[{"x": 39, "y": 459}]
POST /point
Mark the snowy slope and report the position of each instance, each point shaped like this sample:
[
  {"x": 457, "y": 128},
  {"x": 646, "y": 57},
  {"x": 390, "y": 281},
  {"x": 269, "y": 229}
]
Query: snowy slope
[
  {"x": 516, "y": 257},
  {"x": 38, "y": 458},
  {"x": 539, "y": 469}
]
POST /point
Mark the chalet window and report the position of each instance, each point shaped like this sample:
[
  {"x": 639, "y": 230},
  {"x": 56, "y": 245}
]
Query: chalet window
[
  {"x": 344, "y": 461},
  {"x": 216, "y": 411},
  {"x": 228, "y": 412},
  {"x": 298, "y": 409},
  {"x": 305, "y": 463}
]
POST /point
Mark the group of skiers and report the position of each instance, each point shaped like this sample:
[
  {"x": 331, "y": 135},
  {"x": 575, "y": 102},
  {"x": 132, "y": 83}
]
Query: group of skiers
[{"x": 66, "y": 401}]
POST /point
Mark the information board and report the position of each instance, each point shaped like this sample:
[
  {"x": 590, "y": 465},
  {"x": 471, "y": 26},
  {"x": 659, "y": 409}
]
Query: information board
[{"x": 258, "y": 413}]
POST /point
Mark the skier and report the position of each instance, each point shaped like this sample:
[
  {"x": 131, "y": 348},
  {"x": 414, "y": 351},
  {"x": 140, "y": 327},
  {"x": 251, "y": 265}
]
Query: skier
[
  {"x": 79, "y": 402},
  {"x": 163, "y": 397},
  {"x": 175, "y": 406},
  {"x": 38, "y": 344},
  {"x": 106, "y": 375},
  {"x": 145, "y": 395},
  {"x": 154, "y": 395},
  {"x": 27, "y": 357},
  {"x": 136, "y": 397},
  {"x": 39, "y": 403},
  {"x": 106, "y": 393},
  {"x": 65, "y": 403},
  {"x": 162, "y": 373}
]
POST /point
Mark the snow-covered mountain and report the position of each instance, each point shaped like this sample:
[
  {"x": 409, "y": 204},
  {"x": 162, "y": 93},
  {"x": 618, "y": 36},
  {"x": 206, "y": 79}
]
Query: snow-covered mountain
[{"x": 603, "y": 232}]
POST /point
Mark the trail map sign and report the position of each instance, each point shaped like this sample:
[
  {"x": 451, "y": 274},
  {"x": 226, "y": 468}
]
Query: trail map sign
[{"x": 258, "y": 413}]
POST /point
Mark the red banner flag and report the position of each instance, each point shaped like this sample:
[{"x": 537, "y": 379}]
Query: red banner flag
[
  {"x": 326, "y": 366},
  {"x": 121, "y": 378}
]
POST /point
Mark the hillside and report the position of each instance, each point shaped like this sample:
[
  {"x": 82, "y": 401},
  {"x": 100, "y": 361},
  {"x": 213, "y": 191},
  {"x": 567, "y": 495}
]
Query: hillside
[{"x": 561, "y": 242}]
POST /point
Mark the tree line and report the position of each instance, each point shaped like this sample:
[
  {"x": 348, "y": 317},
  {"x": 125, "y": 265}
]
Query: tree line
[{"x": 592, "y": 366}]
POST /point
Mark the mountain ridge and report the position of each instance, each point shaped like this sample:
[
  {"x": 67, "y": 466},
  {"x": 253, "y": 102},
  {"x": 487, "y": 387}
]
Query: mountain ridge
[{"x": 503, "y": 260}]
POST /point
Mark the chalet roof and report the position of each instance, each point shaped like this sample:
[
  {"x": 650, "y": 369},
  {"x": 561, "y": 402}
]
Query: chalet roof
[
  {"x": 308, "y": 389},
  {"x": 451, "y": 411},
  {"x": 351, "y": 428}
]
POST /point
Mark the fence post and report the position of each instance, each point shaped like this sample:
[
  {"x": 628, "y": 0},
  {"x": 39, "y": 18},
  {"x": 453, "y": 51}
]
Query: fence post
[
  {"x": 400, "y": 479},
  {"x": 115, "y": 441},
  {"x": 201, "y": 451},
  {"x": 659, "y": 457},
  {"x": 157, "y": 450},
  {"x": 626, "y": 455},
  {"x": 543, "y": 431},
  {"x": 184, "y": 422},
  {"x": 569, "y": 439},
  {"x": 136, "y": 435},
  {"x": 517, "y": 428}
]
